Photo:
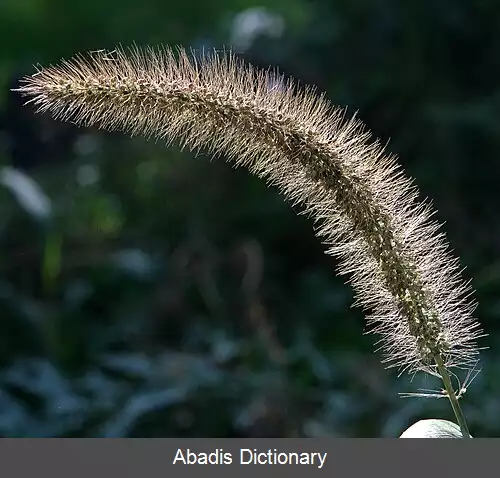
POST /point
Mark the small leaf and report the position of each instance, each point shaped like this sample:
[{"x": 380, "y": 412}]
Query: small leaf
[{"x": 27, "y": 192}]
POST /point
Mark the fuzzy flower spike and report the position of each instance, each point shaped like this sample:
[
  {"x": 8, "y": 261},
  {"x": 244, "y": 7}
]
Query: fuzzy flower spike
[{"x": 365, "y": 208}]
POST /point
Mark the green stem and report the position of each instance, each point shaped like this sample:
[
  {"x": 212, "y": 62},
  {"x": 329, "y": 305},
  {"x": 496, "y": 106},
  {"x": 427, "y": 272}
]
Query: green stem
[{"x": 452, "y": 397}]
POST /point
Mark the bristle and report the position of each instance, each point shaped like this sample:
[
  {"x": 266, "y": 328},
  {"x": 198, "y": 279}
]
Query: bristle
[{"x": 366, "y": 209}]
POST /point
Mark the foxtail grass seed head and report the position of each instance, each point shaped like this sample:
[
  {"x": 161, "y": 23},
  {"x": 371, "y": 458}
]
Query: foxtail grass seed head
[{"x": 366, "y": 210}]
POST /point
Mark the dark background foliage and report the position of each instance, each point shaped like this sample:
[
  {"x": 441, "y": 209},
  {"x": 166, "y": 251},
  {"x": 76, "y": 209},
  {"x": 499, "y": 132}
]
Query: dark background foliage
[{"x": 148, "y": 292}]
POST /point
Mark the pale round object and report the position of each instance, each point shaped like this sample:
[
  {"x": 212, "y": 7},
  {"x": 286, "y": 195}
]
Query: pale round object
[{"x": 433, "y": 428}]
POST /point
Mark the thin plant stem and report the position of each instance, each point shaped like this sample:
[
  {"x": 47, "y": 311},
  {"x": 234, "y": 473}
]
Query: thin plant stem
[{"x": 457, "y": 410}]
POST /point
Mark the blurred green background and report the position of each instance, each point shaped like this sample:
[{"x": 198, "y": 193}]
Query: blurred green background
[{"x": 147, "y": 292}]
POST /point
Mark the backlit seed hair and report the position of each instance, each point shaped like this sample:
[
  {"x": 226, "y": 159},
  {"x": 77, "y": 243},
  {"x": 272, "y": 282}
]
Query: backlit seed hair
[{"x": 366, "y": 210}]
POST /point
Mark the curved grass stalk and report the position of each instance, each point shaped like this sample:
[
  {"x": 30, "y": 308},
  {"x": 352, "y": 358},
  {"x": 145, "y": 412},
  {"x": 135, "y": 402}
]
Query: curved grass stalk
[{"x": 367, "y": 211}]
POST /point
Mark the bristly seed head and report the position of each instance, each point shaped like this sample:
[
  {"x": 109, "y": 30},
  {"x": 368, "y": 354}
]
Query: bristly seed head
[{"x": 399, "y": 264}]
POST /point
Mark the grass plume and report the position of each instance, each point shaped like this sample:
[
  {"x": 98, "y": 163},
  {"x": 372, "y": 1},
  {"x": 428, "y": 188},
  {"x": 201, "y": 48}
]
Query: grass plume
[{"x": 366, "y": 210}]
